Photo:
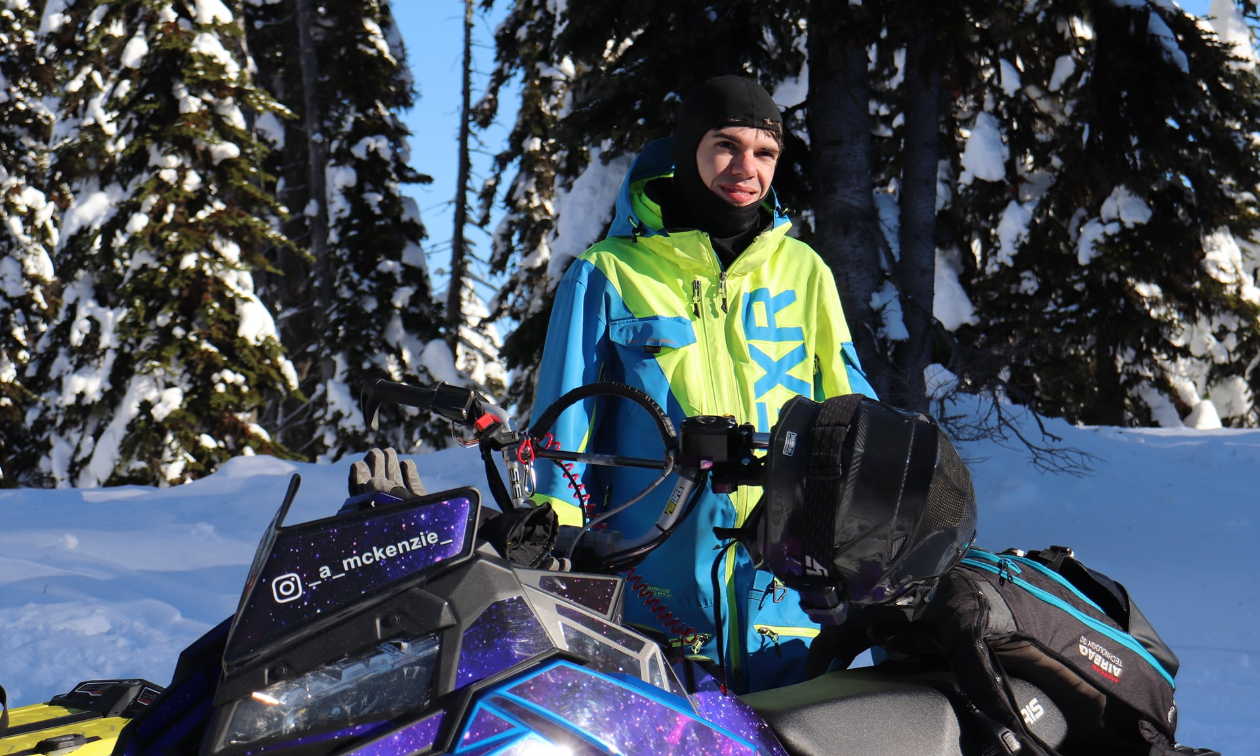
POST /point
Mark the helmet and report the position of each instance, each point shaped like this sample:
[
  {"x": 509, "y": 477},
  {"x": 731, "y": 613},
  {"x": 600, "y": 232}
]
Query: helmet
[{"x": 864, "y": 504}]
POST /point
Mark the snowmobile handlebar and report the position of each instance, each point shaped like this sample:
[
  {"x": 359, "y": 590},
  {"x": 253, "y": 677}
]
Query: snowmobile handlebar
[{"x": 707, "y": 448}]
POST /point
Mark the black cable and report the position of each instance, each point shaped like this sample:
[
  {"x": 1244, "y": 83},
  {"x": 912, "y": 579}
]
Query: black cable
[
  {"x": 717, "y": 611},
  {"x": 622, "y": 559}
]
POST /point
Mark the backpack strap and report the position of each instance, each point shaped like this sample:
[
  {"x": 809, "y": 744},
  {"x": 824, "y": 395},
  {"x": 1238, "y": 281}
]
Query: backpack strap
[{"x": 958, "y": 619}]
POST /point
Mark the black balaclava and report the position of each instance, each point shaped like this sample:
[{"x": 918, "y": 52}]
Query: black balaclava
[{"x": 722, "y": 101}]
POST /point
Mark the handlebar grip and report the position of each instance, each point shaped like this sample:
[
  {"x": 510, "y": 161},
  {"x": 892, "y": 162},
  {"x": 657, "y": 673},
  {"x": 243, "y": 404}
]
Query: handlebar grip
[{"x": 377, "y": 392}]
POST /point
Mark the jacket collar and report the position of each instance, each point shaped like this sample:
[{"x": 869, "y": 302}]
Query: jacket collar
[{"x": 638, "y": 216}]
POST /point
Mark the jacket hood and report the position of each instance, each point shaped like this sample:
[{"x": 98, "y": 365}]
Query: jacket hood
[{"x": 639, "y": 216}]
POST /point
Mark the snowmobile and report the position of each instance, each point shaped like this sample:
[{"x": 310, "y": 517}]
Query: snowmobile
[{"x": 397, "y": 626}]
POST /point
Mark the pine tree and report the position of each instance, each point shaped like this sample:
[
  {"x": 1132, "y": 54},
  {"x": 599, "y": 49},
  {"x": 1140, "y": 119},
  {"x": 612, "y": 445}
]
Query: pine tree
[
  {"x": 359, "y": 305},
  {"x": 161, "y": 354},
  {"x": 26, "y": 269},
  {"x": 1111, "y": 286},
  {"x": 471, "y": 338},
  {"x": 523, "y": 44},
  {"x": 842, "y": 163}
]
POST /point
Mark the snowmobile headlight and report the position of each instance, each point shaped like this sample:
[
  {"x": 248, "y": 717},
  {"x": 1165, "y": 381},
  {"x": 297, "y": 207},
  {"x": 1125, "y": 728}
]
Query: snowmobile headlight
[{"x": 386, "y": 680}]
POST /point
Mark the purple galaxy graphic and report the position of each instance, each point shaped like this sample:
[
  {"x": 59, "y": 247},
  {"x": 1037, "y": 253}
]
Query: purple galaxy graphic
[
  {"x": 505, "y": 634},
  {"x": 313, "y": 570},
  {"x": 485, "y": 724},
  {"x": 732, "y": 714},
  {"x": 621, "y": 718},
  {"x": 407, "y": 740},
  {"x": 594, "y": 593},
  {"x": 632, "y": 643}
]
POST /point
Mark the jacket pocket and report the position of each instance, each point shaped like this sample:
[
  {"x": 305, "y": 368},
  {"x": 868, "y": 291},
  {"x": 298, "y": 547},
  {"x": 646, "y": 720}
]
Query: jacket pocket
[{"x": 652, "y": 334}]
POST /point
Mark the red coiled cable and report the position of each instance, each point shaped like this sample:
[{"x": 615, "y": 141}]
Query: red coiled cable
[
  {"x": 687, "y": 635},
  {"x": 575, "y": 484}
]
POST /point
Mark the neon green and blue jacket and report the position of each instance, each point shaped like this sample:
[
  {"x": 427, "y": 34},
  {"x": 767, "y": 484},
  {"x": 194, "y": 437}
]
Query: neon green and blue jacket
[{"x": 654, "y": 309}]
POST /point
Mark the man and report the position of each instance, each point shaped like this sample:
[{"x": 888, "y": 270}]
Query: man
[{"x": 700, "y": 298}]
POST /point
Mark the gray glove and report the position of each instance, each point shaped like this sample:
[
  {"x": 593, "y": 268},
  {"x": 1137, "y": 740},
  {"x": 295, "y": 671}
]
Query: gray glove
[{"x": 381, "y": 471}]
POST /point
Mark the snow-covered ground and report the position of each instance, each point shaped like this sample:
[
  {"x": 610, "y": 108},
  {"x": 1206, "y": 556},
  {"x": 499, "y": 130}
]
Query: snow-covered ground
[{"x": 114, "y": 582}]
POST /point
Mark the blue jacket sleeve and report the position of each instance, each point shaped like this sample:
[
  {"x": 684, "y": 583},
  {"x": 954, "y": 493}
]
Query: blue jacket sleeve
[{"x": 574, "y": 355}]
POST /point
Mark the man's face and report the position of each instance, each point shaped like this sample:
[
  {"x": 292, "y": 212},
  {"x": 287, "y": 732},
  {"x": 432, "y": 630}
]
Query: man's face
[{"x": 737, "y": 163}]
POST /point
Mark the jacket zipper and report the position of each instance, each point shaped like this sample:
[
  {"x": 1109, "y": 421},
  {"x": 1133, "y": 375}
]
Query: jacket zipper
[
  {"x": 982, "y": 647},
  {"x": 734, "y": 640}
]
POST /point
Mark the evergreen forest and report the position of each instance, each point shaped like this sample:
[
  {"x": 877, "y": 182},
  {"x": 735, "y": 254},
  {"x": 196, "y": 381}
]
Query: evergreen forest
[{"x": 208, "y": 243}]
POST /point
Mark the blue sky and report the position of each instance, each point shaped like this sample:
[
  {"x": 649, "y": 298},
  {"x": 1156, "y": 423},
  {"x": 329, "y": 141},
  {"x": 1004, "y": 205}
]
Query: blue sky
[{"x": 433, "y": 34}]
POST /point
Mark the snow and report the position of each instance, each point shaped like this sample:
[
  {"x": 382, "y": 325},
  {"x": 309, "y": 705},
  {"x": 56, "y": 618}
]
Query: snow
[
  {"x": 137, "y": 222},
  {"x": 91, "y": 208},
  {"x": 271, "y": 128},
  {"x": 187, "y": 103},
  {"x": 950, "y": 303},
  {"x": 221, "y": 151},
  {"x": 889, "y": 212},
  {"x": 438, "y": 360},
  {"x": 133, "y": 54},
  {"x": 54, "y": 17},
  {"x": 985, "y": 155},
  {"x": 106, "y": 452},
  {"x": 1091, "y": 233},
  {"x": 231, "y": 112},
  {"x": 342, "y": 400},
  {"x": 793, "y": 91},
  {"x": 1010, "y": 80},
  {"x": 1162, "y": 408},
  {"x": 212, "y": 12},
  {"x": 1121, "y": 208},
  {"x": 339, "y": 178},
  {"x": 1064, "y": 67},
  {"x": 1232, "y": 397},
  {"x": 1227, "y": 20},
  {"x": 11, "y": 280},
  {"x": 1126, "y": 207},
  {"x": 887, "y": 302},
  {"x": 1203, "y": 417},
  {"x": 377, "y": 143},
  {"x": 1158, "y": 28},
  {"x": 169, "y": 400},
  {"x": 1223, "y": 261},
  {"x": 378, "y": 39},
  {"x": 938, "y": 381},
  {"x": 256, "y": 324},
  {"x": 1011, "y": 231},
  {"x": 115, "y": 582},
  {"x": 582, "y": 210}
]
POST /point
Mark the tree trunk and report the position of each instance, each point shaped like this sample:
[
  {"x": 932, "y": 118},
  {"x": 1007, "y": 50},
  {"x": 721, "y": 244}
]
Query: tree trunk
[
  {"x": 317, "y": 161},
  {"x": 459, "y": 252},
  {"x": 1107, "y": 404},
  {"x": 916, "y": 271},
  {"x": 841, "y": 178}
]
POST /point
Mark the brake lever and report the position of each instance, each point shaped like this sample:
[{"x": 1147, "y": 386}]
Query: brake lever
[{"x": 462, "y": 442}]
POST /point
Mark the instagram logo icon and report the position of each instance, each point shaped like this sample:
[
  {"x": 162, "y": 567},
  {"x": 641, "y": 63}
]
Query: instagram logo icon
[{"x": 287, "y": 588}]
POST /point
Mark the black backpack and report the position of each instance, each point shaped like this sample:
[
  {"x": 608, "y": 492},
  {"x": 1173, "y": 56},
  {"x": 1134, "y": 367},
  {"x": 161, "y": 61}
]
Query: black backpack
[{"x": 1044, "y": 617}]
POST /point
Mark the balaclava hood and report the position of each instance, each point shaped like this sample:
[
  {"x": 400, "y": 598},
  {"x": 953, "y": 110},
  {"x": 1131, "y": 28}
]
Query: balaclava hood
[{"x": 722, "y": 101}]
